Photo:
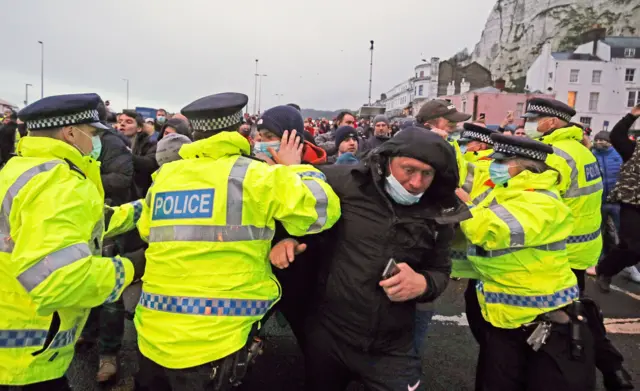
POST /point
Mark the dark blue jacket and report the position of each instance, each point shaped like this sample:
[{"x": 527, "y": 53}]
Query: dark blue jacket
[{"x": 609, "y": 161}]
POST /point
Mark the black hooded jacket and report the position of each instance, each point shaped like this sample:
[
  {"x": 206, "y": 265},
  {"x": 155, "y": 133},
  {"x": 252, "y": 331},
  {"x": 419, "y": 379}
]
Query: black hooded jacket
[
  {"x": 7, "y": 141},
  {"x": 374, "y": 229},
  {"x": 116, "y": 168}
]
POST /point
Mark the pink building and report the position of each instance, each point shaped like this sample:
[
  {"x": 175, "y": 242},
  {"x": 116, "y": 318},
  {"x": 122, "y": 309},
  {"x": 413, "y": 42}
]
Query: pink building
[{"x": 493, "y": 103}]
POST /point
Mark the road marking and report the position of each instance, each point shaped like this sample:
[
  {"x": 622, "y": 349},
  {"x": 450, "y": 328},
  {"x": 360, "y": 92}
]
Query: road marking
[
  {"x": 630, "y": 294},
  {"x": 613, "y": 325}
]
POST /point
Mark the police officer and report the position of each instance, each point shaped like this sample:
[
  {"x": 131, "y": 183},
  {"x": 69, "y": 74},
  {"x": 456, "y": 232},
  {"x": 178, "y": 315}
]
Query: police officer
[
  {"x": 209, "y": 219},
  {"x": 51, "y": 230},
  {"x": 581, "y": 190},
  {"x": 527, "y": 290}
]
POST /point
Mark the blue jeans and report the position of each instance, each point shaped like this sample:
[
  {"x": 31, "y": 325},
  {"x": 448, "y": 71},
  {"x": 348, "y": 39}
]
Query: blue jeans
[{"x": 423, "y": 319}]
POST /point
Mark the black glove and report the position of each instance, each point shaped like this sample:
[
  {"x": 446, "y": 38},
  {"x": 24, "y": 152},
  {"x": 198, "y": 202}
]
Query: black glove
[{"x": 139, "y": 262}]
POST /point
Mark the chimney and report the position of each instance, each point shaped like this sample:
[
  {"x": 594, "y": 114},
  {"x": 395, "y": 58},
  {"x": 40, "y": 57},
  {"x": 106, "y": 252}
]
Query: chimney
[
  {"x": 451, "y": 89},
  {"x": 500, "y": 84},
  {"x": 465, "y": 86}
]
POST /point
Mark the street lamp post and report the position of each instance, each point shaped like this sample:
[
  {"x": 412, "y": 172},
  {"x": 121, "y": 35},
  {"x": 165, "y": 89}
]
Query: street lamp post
[
  {"x": 26, "y": 93},
  {"x": 127, "y": 80},
  {"x": 260, "y": 93},
  {"x": 255, "y": 89},
  {"x": 370, "y": 72},
  {"x": 41, "y": 69}
]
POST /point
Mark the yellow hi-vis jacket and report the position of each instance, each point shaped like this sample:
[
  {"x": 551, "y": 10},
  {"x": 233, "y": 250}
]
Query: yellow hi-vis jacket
[
  {"x": 51, "y": 271},
  {"x": 209, "y": 220},
  {"x": 581, "y": 190},
  {"x": 478, "y": 185},
  {"x": 519, "y": 237}
]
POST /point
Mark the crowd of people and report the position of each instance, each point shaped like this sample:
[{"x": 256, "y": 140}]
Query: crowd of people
[{"x": 210, "y": 208}]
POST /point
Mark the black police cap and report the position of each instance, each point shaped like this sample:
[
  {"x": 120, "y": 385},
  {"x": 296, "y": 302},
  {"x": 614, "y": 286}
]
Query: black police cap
[
  {"x": 541, "y": 107},
  {"x": 472, "y": 132},
  {"x": 216, "y": 112},
  {"x": 506, "y": 147},
  {"x": 63, "y": 110}
]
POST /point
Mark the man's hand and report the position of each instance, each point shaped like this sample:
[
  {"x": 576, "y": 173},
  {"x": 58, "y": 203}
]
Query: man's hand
[
  {"x": 405, "y": 285},
  {"x": 636, "y": 111},
  {"x": 290, "y": 152},
  {"x": 283, "y": 253},
  {"x": 463, "y": 195}
]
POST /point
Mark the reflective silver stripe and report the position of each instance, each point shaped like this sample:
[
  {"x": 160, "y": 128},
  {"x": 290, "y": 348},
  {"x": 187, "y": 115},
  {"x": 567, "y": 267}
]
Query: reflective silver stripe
[
  {"x": 322, "y": 202},
  {"x": 481, "y": 197},
  {"x": 547, "y": 192},
  {"x": 468, "y": 182},
  {"x": 39, "y": 272},
  {"x": 209, "y": 233},
  {"x": 6, "y": 243},
  {"x": 516, "y": 229},
  {"x": 235, "y": 190},
  {"x": 476, "y": 251},
  {"x": 574, "y": 190}
]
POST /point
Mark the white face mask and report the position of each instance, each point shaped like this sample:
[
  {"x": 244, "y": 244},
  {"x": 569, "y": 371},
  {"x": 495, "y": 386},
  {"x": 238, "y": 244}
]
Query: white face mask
[{"x": 531, "y": 129}]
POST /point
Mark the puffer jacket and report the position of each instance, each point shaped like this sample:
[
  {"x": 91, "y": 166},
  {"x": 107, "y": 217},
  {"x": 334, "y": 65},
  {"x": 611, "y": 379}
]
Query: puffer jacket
[
  {"x": 609, "y": 162},
  {"x": 373, "y": 229}
]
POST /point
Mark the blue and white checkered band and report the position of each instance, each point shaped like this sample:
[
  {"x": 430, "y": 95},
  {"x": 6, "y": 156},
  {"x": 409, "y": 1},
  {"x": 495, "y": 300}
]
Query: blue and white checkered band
[
  {"x": 528, "y": 153},
  {"x": 549, "y": 112},
  {"x": 212, "y": 124},
  {"x": 476, "y": 136},
  {"x": 82, "y": 117}
]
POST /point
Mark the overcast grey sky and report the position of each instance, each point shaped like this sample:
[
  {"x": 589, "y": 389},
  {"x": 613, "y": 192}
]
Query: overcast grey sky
[{"x": 315, "y": 52}]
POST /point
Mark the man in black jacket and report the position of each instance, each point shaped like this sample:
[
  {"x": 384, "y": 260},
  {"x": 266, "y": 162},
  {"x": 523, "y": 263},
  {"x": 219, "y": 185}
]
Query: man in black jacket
[
  {"x": 143, "y": 150},
  {"x": 399, "y": 203},
  {"x": 116, "y": 168}
]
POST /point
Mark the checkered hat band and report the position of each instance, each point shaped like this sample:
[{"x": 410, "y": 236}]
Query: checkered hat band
[
  {"x": 548, "y": 111},
  {"x": 520, "y": 151},
  {"x": 83, "y": 117},
  {"x": 211, "y": 124},
  {"x": 476, "y": 136}
]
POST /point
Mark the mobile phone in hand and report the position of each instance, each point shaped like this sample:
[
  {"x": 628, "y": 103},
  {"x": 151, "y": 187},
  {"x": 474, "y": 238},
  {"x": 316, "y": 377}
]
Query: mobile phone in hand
[{"x": 391, "y": 269}]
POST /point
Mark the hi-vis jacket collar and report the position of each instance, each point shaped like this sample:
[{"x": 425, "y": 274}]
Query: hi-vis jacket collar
[
  {"x": 568, "y": 133},
  {"x": 46, "y": 147},
  {"x": 215, "y": 147}
]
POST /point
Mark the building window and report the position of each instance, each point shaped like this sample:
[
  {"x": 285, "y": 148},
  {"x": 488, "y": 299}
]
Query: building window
[
  {"x": 633, "y": 99},
  {"x": 630, "y": 52},
  {"x": 550, "y": 76},
  {"x": 519, "y": 110},
  {"x": 586, "y": 121},
  {"x": 596, "y": 76},
  {"x": 593, "y": 101},
  {"x": 605, "y": 126},
  {"x": 573, "y": 76},
  {"x": 421, "y": 73},
  {"x": 630, "y": 74},
  {"x": 464, "y": 106},
  {"x": 420, "y": 90},
  {"x": 571, "y": 98}
]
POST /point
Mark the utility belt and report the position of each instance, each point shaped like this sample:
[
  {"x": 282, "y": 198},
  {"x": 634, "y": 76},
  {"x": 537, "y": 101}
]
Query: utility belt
[
  {"x": 571, "y": 316},
  {"x": 230, "y": 371}
]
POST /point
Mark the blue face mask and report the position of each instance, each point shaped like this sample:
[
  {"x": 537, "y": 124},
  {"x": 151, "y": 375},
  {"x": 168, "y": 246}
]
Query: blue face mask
[
  {"x": 499, "y": 173},
  {"x": 398, "y": 193},
  {"x": 97, "y": 147},
  {"x": 263, "y": 147},
  {"x": 463, "y": 149},
  {"x": 161, "y": 119}
]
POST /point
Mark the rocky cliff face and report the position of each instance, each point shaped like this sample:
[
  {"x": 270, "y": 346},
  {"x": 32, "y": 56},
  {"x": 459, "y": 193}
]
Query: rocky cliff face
[{"x": 517, "y": 29}]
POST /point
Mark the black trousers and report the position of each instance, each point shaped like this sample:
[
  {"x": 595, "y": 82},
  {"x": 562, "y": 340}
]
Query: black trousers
[
  {"x": 154, "y": 377},
  {"x": 477, "y": 325},
  {"x": 60, "y": 384},
  {"x": 331, "y": 364},
  {"x": 510, "y": 364},
  {"x": 627, "y": 253}
]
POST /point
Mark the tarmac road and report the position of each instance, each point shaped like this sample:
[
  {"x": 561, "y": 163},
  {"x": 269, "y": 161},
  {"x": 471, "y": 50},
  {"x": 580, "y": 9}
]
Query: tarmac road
[{"x": 449, "y": 356}]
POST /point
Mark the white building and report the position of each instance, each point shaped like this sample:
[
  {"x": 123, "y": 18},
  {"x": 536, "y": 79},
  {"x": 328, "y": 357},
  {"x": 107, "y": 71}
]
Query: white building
[
  {"x": 600, "y": 79},
  {"x": 413, "y": 92}
]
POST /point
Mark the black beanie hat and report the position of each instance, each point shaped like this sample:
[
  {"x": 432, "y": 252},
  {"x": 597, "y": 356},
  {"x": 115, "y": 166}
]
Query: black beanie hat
[
  {"x": 280, "y": 118},
  {"x": 343, "y": 132}
]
